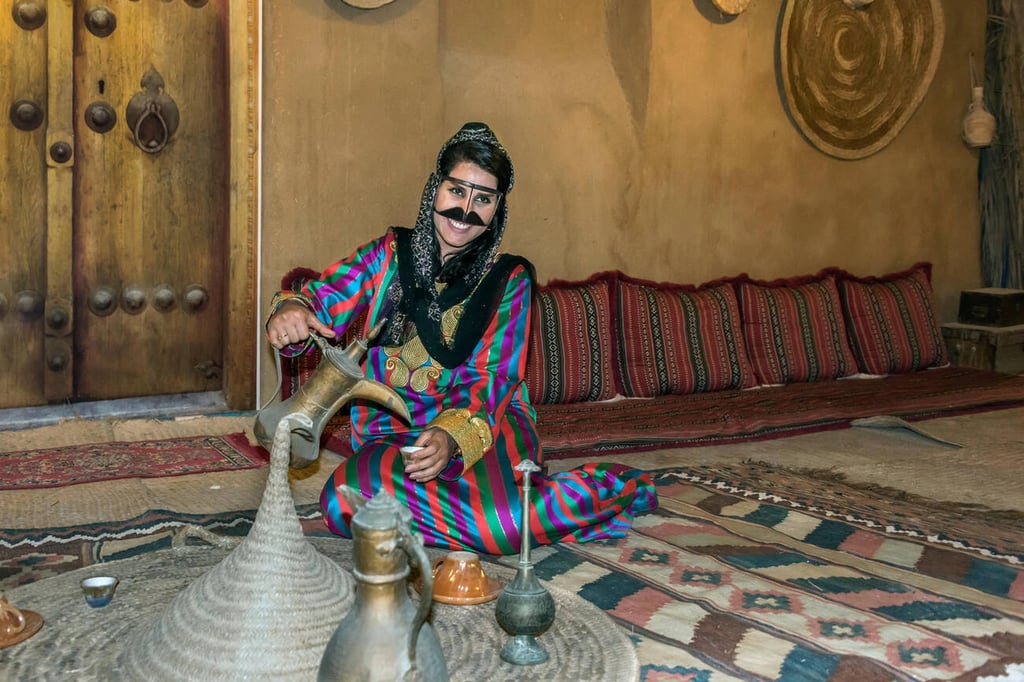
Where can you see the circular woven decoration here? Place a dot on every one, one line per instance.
(731, 6)
(854, 77)
(367, 4)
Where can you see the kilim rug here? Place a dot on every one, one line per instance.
(68, 465)
(750, 573)
(746, 572)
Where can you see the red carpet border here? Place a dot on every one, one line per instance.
(720, 417)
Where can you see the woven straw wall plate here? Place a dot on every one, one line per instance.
(367, 4)
(731, 6)
(854, 77)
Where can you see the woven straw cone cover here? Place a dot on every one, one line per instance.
(854, 77)
(266, 612)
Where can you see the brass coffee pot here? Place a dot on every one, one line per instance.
(385, 637)
(336, 380)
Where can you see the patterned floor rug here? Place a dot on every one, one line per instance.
(68, 465)
(746, 572)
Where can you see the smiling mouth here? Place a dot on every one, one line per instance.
(460, 226)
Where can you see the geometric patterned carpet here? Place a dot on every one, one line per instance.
(750, 573)
(746, 572)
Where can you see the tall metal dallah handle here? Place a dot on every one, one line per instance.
(412, 543)
(152, 115)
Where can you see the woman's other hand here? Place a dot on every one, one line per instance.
(292, 324)
(424, 465)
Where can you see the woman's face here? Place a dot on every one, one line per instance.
(464, 208)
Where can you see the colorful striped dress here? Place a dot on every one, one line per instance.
(474, 505)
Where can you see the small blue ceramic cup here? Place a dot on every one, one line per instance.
(99, 591)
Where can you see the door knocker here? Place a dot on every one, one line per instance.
(152, 115)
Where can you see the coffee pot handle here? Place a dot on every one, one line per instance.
(413, 546)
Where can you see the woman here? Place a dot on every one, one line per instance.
(454, 346)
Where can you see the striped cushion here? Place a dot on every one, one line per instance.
(794, 330)
(677, 339)
(891, 321)
(570, 357)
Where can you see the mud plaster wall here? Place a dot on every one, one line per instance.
(648, 136)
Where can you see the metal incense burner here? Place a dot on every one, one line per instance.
(525, 609)
(385, 637)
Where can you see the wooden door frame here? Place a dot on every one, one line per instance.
(240, 324)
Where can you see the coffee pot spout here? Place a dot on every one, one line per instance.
(336, 380)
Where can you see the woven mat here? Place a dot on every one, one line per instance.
(583, 643)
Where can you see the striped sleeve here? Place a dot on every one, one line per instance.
(346, 288)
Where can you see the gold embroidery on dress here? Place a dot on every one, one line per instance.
(450, 322)
(411, 365)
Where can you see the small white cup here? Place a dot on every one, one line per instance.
(99, 591)
(408, 451)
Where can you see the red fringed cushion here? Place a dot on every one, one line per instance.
(571, 357)
(794, 330)
(679, 339)
(891, 321)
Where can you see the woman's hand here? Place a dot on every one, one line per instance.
(292, 323)
(424, 465)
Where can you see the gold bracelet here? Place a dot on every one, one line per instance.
(472, 435)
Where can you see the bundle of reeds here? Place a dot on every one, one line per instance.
(1001, 165)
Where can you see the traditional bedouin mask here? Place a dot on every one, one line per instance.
(472, 191)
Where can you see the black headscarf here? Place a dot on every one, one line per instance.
(413, 295)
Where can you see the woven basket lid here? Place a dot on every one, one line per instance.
(266, 612)
(853, 77)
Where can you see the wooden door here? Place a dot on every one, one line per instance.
(22, 204)
(114, 209)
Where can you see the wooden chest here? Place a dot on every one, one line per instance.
(995, 348)
(991, 307)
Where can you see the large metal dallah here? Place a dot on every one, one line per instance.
(385, 636)
(337, 379)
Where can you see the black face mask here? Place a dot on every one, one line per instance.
(456, 213)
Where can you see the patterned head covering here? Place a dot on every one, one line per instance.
(424, 239)
(415, 286)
